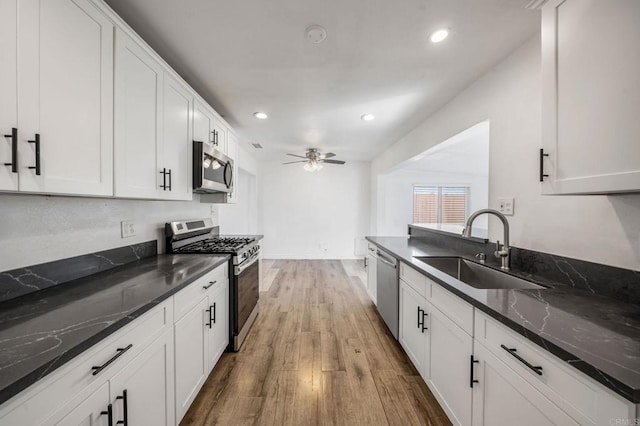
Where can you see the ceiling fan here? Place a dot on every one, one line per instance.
(314, 159)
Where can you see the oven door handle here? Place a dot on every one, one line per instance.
(244, 265)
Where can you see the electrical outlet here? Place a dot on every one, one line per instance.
(506, 206)
(127, 228)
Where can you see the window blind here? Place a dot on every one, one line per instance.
(440, 204)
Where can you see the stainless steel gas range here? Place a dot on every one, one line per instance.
(200, 236)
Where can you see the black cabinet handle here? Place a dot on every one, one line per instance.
(14, 150)
(208, 286)
(214, 312)
(210, 323)
(169, 172)
(512, 351)
(125, 416)
(424, 324)
(471, 379)
(109, 414)
(37, 166)
(120, 351)
(419, 316)
(163, 172)
(542, 174)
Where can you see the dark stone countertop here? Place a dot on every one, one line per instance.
(597, 335)
(42, 331)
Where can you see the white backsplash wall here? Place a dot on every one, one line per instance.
(317, 215)
(36, 228)
(602, 229)
(242, 217)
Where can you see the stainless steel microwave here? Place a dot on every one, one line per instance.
(212, 170)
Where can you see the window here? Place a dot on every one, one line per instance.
(440, 204)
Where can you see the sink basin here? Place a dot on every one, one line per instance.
(478, 276)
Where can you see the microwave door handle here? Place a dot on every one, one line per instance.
(228, 167)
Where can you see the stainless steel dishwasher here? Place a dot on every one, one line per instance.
(387, 291)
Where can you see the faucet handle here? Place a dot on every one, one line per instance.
(482, 256)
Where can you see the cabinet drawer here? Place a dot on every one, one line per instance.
(75, 380)
(581, 397)
(458, 311)
(188, 297)
(415, 279)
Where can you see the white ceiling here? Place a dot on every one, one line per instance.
(244, 56)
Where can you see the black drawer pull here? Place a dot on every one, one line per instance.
(512, 351)
(420, 317)
(36, 141)
(120, 351)
(207, 287)
(14, 150)
(542, 174)
(125, 415)
(109, 414)
(471, 375)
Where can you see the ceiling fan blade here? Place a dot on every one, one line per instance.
(299, 156)
(328, 155)
(332, 161)
(291, 162)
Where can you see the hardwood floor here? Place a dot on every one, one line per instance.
(319, 353)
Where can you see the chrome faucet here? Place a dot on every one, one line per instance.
(501, 252)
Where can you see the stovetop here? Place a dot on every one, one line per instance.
(216, 245)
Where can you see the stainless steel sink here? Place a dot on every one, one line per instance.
(478, 276)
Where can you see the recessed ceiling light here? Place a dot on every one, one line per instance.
(260, 115)
(439, 35)
(367, 117)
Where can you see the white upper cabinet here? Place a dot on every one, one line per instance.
(65, 97)
(138, 121)
(176, 152)
(202, 123)
(590, 69)
(219, 135)
(8, 97)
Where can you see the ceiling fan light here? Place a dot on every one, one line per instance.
(308, 166)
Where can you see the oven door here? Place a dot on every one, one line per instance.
(212, 170)
(247, 294)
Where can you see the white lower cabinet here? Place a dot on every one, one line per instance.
(142, 392)
(467, 360)
(201, 335)
(93, 411)
(448, 365)
(503, 398)
(411, 330)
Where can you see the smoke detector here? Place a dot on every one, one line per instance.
(316, 34)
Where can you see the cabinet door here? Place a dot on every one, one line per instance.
(590, 96)
(502, 397)
(93, 411)
(219, 135)
(202, 123)
(218, 331)
(138, 104)
(142, 393)
(176, 141)
(412, 333)
(372, 278)
(66, 97)
(191, 356)
(449, 369)
(8, 91)
(232, 152)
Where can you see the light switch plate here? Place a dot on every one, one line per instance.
(505, 206)
(127, 228)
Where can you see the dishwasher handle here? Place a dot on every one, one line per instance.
(384, 260)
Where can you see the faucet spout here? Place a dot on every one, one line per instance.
(503, 252)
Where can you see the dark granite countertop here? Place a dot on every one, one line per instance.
(41, 331)
(597, 335)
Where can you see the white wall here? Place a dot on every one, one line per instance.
(36, 228)
(316, 215)
(603, 229)
(242, 217)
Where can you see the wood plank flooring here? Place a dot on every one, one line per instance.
(318, 354)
